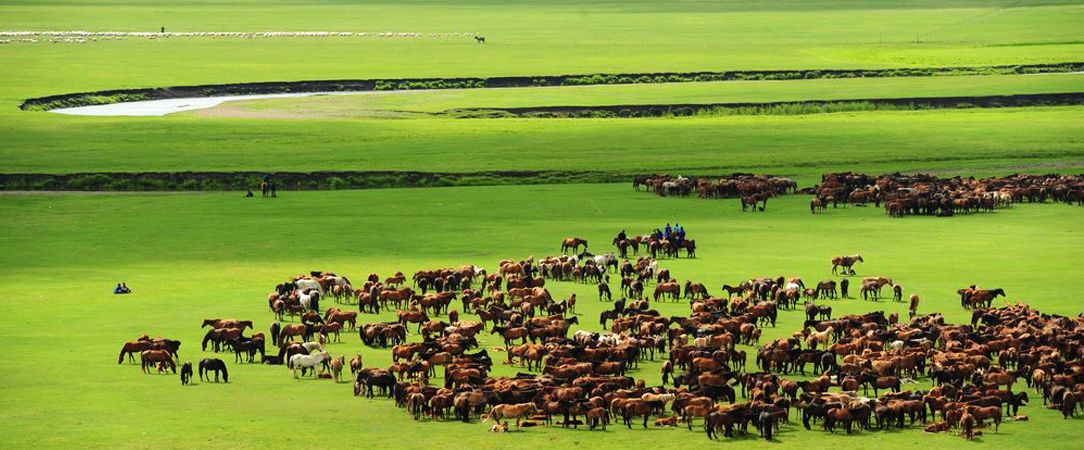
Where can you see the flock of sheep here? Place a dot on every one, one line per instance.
(78, 37)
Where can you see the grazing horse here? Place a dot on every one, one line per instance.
(131, 348)
(300, 361)
(517, 411)
(151, 358)
(574, 244)
(604, 291)
(846, 262)
(671, 287)
(186, 373)
(206, 365)
(480, 39)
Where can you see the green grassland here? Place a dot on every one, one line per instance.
(527, 38)
(191, 257)
(433, 101)
(1004, 141)
(195, 256)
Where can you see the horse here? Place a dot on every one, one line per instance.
(671, 288)
(131, 348)
(604, 291)
(337, 367)
(846, 262)
(186, 373)
(574, 244)
(300, 361)
(480, 39)
(151, 358)
(291, 330)
(355, 364)
(206, 365)
(506, 411)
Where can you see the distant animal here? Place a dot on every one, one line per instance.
(846, 262)
(573, 243)
(301, 362)
(186, 373)
(206, 365)
(480, 39)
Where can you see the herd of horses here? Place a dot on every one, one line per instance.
(924, 194)
(753, 190)
(583, 378)
(901, 194)
(573, 377)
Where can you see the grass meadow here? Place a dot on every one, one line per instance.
(191, 256)
(195, 256)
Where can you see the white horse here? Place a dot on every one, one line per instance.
(307, 298)
(300, 361)
(309, 283)
(604, 261)
(338, 281)
(313, 347)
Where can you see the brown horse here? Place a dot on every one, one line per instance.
(132, 347)
(511, 334)
(412, 316)
(671, 288)
(151, 358)
(574, 244)
(337, 368)
(846, 262)
(517, 411)
(291, 330)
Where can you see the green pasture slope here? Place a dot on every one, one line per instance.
(195, 256)
(527, 38)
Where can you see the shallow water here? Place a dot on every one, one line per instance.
(172, 105)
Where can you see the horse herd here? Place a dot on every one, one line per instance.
(585, 376)
(924, 194)
(578, 377)
(753, 190)
(917, 194)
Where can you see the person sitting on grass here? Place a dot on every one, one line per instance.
(122, 288)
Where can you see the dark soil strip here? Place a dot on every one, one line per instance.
(126, 95)
(240, 181)
(776, 108)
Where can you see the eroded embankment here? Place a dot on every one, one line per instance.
(775, 108)
(387, 84)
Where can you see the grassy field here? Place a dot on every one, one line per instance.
(526, 38)
(194, 256)
(190, 257)
(380, 104)
(945, 140)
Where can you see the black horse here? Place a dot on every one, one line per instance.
(765, 422)
(243, 345)
(206, 365)
(480, 39)
(186, 373)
